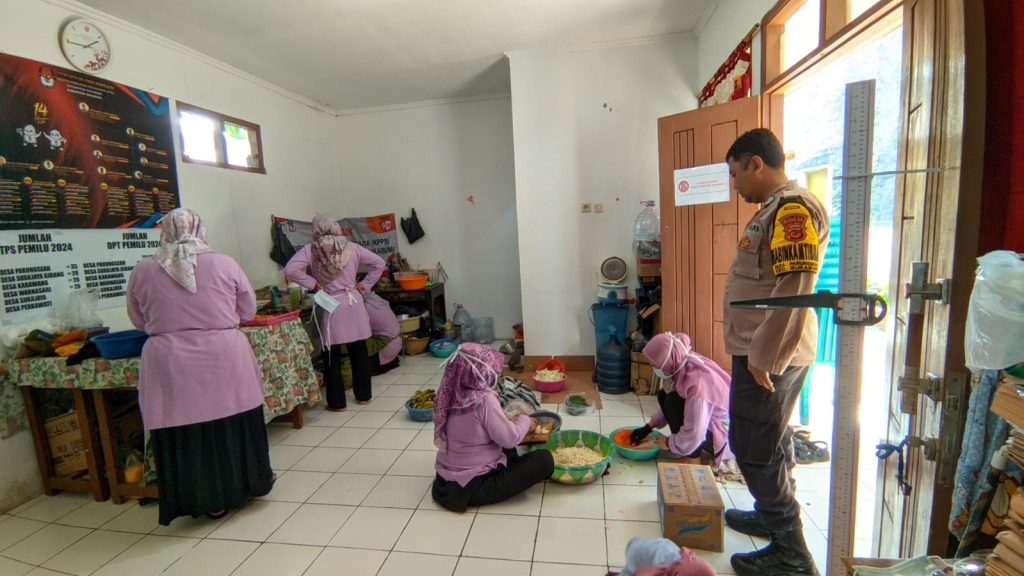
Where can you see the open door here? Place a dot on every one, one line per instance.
(937, 219)
(699, 242)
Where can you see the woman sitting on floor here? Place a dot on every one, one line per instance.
(477, 463)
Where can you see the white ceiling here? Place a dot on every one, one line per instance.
(349, 54)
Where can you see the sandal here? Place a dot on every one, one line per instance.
(809, 451)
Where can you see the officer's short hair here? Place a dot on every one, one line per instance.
(758, 142)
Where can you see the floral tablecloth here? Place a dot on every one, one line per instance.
(282, 351)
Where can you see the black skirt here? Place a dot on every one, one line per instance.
(212, 466)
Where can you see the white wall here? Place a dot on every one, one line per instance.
(432, 158)
(585, 125)
(298, 144)
(729, 23)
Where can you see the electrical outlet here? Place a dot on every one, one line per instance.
(586, 208)
(598, 207)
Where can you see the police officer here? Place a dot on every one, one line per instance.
(779, 254)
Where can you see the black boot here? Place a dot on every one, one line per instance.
(747, 522)
(787, 555)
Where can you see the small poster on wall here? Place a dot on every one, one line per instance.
(77, 151)
(702, 185)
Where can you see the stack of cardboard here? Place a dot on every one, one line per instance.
(1008, 557)
(1009, 400)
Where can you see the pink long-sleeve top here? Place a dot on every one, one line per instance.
(383, 322)
(349, 322)
(698, 416)
(197, 366)
(476, 440)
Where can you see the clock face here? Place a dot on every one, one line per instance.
(85, 46)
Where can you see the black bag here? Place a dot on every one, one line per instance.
(282, 249)
(411, 227)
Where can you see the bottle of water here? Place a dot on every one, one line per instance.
(463, 324)
(613, 366)
(647, 235)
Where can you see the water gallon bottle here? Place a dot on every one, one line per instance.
(647, 235)
(613, 366)
(462, 321)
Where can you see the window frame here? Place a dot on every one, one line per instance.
(220, 142)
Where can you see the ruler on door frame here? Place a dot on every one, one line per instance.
(853, 311)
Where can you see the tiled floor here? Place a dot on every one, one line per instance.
(353, 498)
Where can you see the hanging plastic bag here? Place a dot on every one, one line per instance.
(411, 227)
(81, 310)
(995, 319)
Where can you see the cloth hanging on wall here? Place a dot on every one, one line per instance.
(734, 78)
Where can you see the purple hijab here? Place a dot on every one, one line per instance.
(469, 375)
(182, 237)
(330, 249)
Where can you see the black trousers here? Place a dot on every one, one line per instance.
(360, 360)
(499, 485)
(672, 406)
(760, 438)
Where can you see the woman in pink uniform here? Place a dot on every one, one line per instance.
(200, 388)
(698, 405)
(384, 323)
(330, 263)
(477, 462)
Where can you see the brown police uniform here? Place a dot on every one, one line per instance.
(779, 254)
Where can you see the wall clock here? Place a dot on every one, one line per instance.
(84, 45)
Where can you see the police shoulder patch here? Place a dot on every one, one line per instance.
(794, 244)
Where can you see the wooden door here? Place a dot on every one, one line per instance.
(699, 242)
(937, 214)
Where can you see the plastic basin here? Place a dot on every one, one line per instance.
(419, 414)
(577, 475)
(412, 281)
(444, 348)
(633, 453)
(124, 344)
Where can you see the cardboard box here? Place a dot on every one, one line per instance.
(66, 444)
(649, 269)
(642, 376)
(690, 506)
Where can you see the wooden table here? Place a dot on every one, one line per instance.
(430, 298)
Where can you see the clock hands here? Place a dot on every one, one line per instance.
(90, 45)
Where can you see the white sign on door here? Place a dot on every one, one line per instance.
(702, 185)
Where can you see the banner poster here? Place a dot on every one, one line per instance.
(40, 268)
(378, 234)
(78, 151)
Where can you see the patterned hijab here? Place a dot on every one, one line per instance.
(331, 251)
(693, 374)
(182, 238)
(469, 375)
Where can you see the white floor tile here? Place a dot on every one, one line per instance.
(278, 432)
(278, 560)
(817, 543)
(403, 564)
(348, 438)
(414, 463)
(413, 379)
(398, 492)
(620, 533)
(334, 561)
(573, 501)
(345, 489)
(19, 509)
(45, 544)
(283, 457)
(402, 421)
(92, 552)
(308, 436)
(14, 529)
(740, 498)
(503, 537)
(137, 519)
(626, 472)
(149, 556)
(611, 423)
(477, 566)
(814, 508)
(629, 408)
(324, 459)
(212, 558)
(435, 533)
(255, 521)
(370, 461)
(44, 572)
(188, 527)
(631, 503)
(368, 419)
(296, 486)
(390, 439)
(10, 567)
(592, 423)
(53, 507)
(424, 440)
(570, 541)
(525, 504)
(372, 528)
(546, 569)
(312, 525)
(333, 419)
(385, 404)
(403, 391)
(92, 515)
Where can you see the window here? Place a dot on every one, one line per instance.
(218, 140)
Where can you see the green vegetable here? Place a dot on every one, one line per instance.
(577, 401)
(424, 399)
